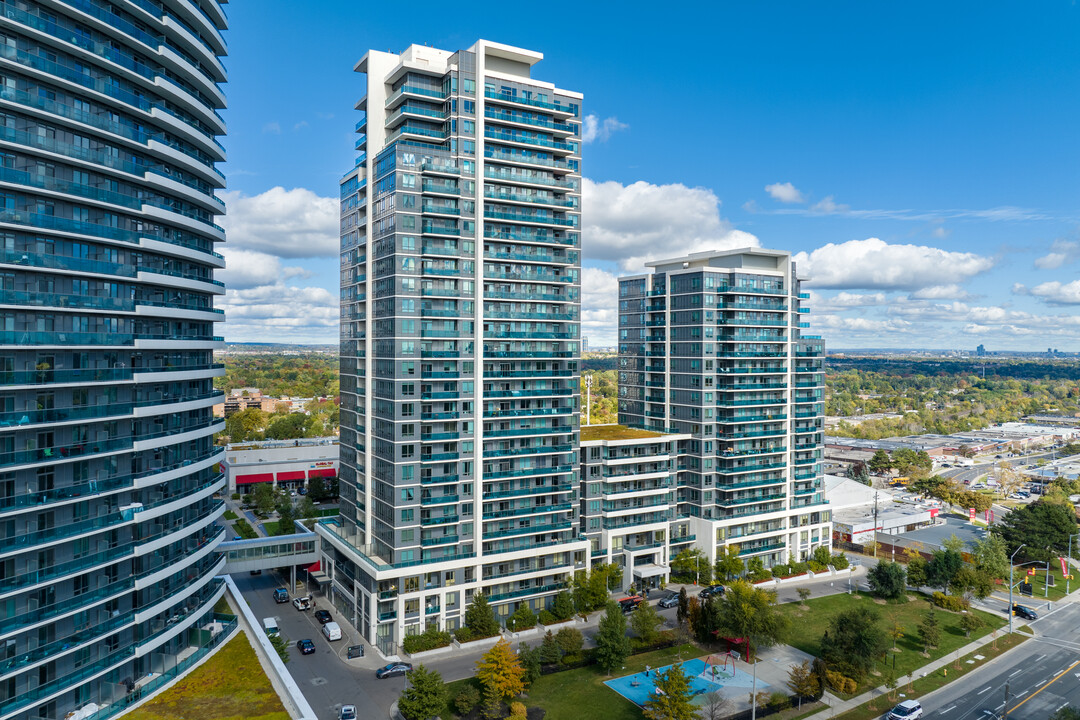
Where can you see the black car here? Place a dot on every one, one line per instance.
(669, 601)
(306, 647)
(716, 589)
(393, 669)
(1025, 612)
(323, 616)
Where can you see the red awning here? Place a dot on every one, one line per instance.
(322, 472)
(314, 567)
(254, 478)
(291, 475)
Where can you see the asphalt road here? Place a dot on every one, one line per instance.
(1040, 676)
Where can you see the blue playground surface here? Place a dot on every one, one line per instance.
(638, 688)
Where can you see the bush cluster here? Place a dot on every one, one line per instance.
(840, 682)
(956, 603)
(428, 640)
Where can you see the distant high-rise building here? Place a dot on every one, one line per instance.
(980, 351)
(460, 355)
(584, 343)
(107, 463)
(711, 346)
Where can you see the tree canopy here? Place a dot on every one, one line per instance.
(1037, 526)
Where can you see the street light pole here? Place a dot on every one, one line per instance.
(753, 703)
(1068, 575)
(1011, 587)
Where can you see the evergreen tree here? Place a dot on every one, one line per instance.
(674, 699)
(530, 662)
(646, 623)
(480, 618)
(683, 611)
(612, 645)
(930, 630)
(425, 696)
(563, 606)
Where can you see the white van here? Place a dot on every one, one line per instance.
(270, 625)
(332, 631)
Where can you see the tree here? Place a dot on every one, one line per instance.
(969, 621)
(822, 555)
(1066, 713)
(531, 662)
(802, 682)
(674, 697)
(550, 652)
(245, 425)
(683, 611)
(955, 544)
(646, 622)
(522, 619)
(965, 451)
(286, 426)
(317, 489)
(969, 579)
(563, 606)
(307, 508)
(916, 568)
(281, 647)
(942, 568)
(729, 564)
(424, 696)
(745, 611)
(500, 674)
(1008, 479)
(286, 518)
(263, 496)
(1038, 526)
(691, 566)
(896, 631)
(715, 707)
(880, 463)
(929, 630)
(570, 641)
(480, 618)
(887, 579)
(854, 641)
(859, 473)
(612, 645)
(804, 595)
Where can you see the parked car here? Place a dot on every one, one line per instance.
(1025, 612)
(710, 591)
(907, 710)
(237, 537)
(303, 491)
(332, 631)
(281, 595)
(669, 601)
(323, 616)
(270, 626)
(355, 651)
(302, 603)
(306, 646)
(347, 712)
(393, 669)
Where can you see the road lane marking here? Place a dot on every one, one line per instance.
(1056, 678)
(948, 709)
(1039, 658)
(1017, 672)
(1040, 683)
(1020, 695)
(987, 689)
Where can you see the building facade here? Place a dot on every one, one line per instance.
(628, 501)
(710, 345)
(287, 464)
(107, 464)
(460, 311)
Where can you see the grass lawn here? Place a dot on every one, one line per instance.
(222, 606)
(566, 694)
(614, 432)
(809, 623)
(873, 709)
(1038, 583)
(229, 686)
(230, 515)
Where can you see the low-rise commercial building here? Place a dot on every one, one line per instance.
(284, 463)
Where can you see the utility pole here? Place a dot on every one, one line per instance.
(875, 523)
(1068, 575)
(1005, 712)
(1011, 613)
(588, 399)
(753, 693)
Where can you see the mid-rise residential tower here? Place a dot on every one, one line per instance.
(460, 303)
(711, 345)
(107, 465)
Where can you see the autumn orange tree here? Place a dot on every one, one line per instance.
(501, 675)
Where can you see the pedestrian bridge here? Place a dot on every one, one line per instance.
(271, 552)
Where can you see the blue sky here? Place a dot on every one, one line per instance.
(921, 159)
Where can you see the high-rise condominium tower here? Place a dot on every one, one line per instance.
(107, 536)
(710, 345)
(460, 302)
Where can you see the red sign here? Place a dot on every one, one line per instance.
(987, 515)
(1063, 570)
(971, 514)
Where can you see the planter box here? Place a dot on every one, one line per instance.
(431, 653)
(535, 630)
(483, 643)
(556, 626)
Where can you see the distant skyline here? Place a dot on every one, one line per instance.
(921, 161)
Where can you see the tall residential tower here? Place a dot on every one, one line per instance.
(107, 465)
(711, 345)
(460, 309)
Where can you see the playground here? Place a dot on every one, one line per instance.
(715, 673)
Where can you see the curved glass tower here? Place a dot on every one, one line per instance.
(108, 119)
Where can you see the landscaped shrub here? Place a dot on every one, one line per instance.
(760, 575)
(840, 561)
(428, 640)
(244, 529)
(546, 618)
(522, 619)
(781, 570)
(955, 603)
(799, 568)
(840, 682)
(815, 566)
(466, 700)
(235, 496)
(517, 711)
(463, 635)
(779, 701)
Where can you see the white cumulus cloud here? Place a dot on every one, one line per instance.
(599, 306)
(1062, 252)
(630, 224)
(593, 128)
(952, 291)
(877, 265)
(293, 223)
(281, 313)
(785, 193)
(1055, 293)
